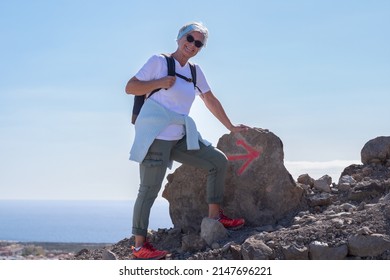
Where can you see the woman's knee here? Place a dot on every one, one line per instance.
(221, 160)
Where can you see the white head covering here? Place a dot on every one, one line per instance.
(194, 26)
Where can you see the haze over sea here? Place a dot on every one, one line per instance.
(73, 221)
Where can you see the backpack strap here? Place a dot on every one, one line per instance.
(171, 64)
(193, 74)
(171, 70)
(138, 102)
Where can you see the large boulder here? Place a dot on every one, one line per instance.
(258, 186)
(376, 150)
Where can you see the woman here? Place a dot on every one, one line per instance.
(165, 132)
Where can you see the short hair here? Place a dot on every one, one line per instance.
(194, 26)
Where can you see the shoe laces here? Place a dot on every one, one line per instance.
(222, 216)
(146, 245)
(149, 246)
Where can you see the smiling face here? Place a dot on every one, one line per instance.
(188, 49)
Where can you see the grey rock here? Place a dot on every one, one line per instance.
(322, 251)
(376, 150)
(108, 255)
(320, 199)
(368, 245)
(323, 184)
(192, 243)
(293, 252)
(212, 231)
(255, 249)
(305, 179)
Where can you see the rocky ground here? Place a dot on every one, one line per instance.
(349, 219)
(10, 250)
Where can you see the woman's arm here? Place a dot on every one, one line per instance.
(215, 107)
(137, 87)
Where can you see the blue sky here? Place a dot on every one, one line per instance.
(315, 73)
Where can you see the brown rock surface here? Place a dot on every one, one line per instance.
(258, 186)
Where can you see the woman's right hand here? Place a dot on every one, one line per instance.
(167, 82)
(137, 87)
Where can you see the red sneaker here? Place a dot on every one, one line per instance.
(230, 223)
(148, 252)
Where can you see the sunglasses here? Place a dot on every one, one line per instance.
(197, 43)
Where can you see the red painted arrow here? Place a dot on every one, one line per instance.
(249, 157)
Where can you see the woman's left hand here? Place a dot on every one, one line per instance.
(239, 128)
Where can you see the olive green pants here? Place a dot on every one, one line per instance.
(153, 169)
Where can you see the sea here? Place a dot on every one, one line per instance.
(74, 221)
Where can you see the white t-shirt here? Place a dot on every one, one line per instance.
(179, 97)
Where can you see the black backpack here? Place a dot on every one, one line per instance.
(140, 99)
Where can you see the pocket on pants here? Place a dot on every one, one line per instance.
(153, 160)
(152, 163)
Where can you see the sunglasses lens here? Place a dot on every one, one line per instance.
(190, 39)
(197, 43)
